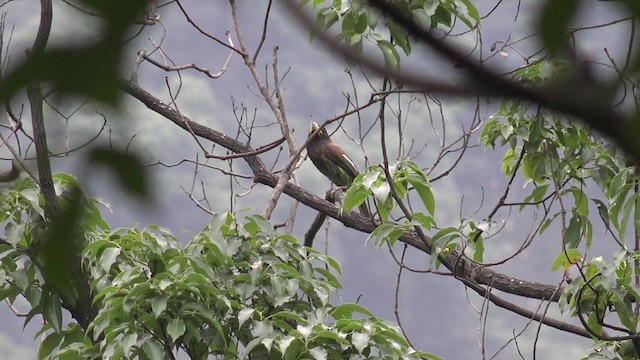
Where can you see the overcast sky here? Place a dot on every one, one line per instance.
(437, 313)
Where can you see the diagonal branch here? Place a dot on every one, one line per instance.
(471, 272)
(472, 275)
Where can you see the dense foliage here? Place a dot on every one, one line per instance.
(238, 289)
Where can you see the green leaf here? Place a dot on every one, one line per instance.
(399, 36)
(381, 192)
(355, 196)
(330, 277)
(574, 231)
(566, 258)
(619, 185)
(345, 311)
(127, 167)
(594, 323)
(426, 355)
(625, 313)
(73, 70)
(391, 56)
(348, 22)
(535, 166)
(14, 233)
(548, 222)
(448, 246)
(362, 22)
(424, 190)
(328, 334)
(108, 257)
(318, 353)
(256, 223)
(48, 345)
(153, 349)
(627, 350)
(441, 16)
(262, 328)
(462, 15)
(334, 264)
(52, 311)
(478, 254)
(627, 210)
(360, 341)
(555, 19)
(472, 10)
(330, 19)
(384, 233)
(536, 195)
(290, 316)
(127, 342)
(581, 201)
(423, 17)
(244, 315)
(158, 305)
(294, 350)
(33, 197)
(444, 234)
(176, 328)
(426, 221)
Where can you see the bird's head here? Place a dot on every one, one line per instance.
(319, 133)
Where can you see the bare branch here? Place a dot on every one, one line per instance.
(464, 272)
(186, 15)
(143, 54)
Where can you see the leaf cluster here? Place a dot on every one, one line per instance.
(237, 289)
(573, 172)
(361, 22)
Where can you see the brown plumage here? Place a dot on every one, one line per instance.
(331, 160)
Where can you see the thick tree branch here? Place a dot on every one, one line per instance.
(478, 278)
(470, 272)
(80, 306)
(34, 94)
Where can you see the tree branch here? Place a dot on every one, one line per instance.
(467, 271)
(34, 94)
(578, 97)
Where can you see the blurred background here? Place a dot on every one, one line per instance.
(436, 312)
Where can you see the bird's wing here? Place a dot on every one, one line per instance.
(340, 158)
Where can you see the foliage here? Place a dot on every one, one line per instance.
(360, 22)
(238, 289)
(569, 170)
(567, 161)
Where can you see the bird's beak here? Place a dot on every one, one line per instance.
(314, 128)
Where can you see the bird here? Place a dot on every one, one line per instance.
(331, 160)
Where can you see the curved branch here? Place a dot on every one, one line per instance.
(469, 272)
(259, 150)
